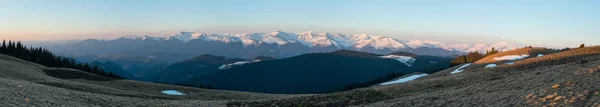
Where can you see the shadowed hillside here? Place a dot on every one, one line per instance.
(28, 84)
(315, 73)
(44, 57)
(568, 78)
(200, 65)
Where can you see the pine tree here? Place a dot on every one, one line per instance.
(3, 47)
(582, 46)
(4, 43)
(491, 52)
(95, 69)
(86, 67)
(472, 57)
(11, 48)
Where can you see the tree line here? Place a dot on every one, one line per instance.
(475, 56)
(472, 57)
(44, 57)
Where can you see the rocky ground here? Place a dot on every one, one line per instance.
(27, 84)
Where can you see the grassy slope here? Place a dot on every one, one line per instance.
(575, 75)
(570, 78)
(573, 72)
(532, 52)
(27, 84)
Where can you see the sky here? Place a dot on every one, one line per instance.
(553, 23)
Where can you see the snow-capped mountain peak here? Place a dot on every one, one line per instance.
(278, 37)
(182, 36)
(481, 47)
(312, 39)
(146, 37)
(341, 40)
(414, 43)
(502, 46)
(197, 35)
(131, 37)
(380, 42)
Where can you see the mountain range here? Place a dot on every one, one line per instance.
(271, 75)
(186, 45)
(523, 77)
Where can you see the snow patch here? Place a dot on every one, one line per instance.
(172, 92)
(146, 37)
(406, 79)
(511, 57)
(227, 66)
(409, 61)
(460, 69)
(540, 55)
(272, 40)
(510, 63)
(490, 66)
(414, 43)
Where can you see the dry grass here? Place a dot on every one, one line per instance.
(532, 52)
(27, 84)
(513, 85)
(554, 78)
(342, 99)
(442, 73)
(579, 56)
(569, 78)
(567, 95)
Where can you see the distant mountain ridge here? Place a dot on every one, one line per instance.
(186, 45)
(308, 39)
(324, 39)
(481, 47)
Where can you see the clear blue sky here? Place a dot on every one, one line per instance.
(537, 22)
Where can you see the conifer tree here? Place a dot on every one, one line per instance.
(472, 57)
(44, 57)
(3, 47)
(4, 43)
